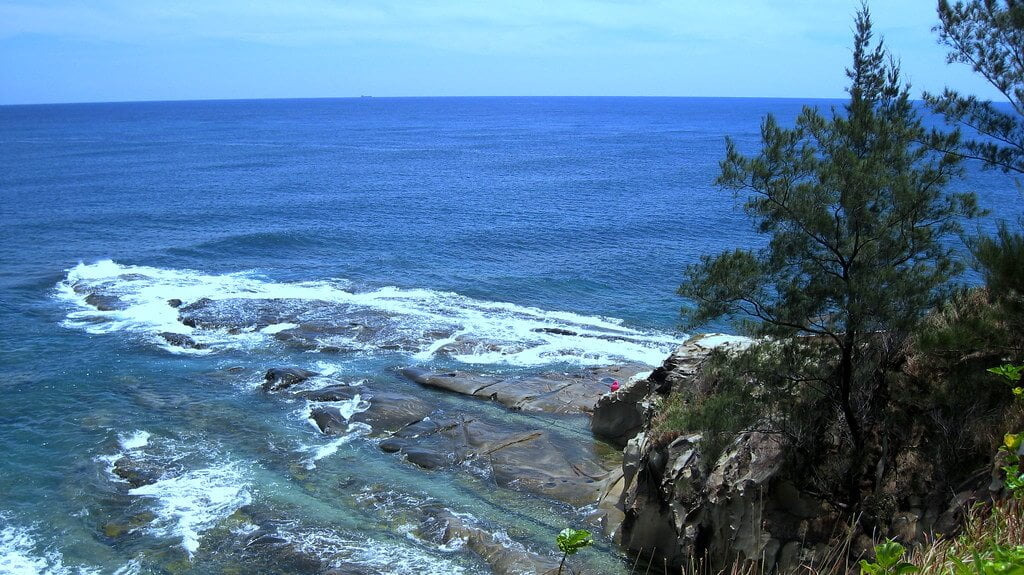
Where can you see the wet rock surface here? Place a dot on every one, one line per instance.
(137, 472)
(278, 378)
(520, 454)
(103, 302)
(311, 325)
(559, 393)
(384, 411)
(503, 556)
(181, 340)
(525, 459)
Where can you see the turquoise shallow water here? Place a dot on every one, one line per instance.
(480, 220)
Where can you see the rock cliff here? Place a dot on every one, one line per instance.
(749, 505)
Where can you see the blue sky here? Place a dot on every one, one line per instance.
(117, 50)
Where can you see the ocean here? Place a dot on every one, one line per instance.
(504, 236)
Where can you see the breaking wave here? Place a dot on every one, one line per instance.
(189, 312)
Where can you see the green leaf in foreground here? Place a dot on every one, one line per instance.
(570, 541)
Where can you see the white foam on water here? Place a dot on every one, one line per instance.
(136, 440)
(108, 462)
(346, 408)
(478, 332)
(130, 443)
(21, 554)
(133, 567)
(353, 431)
(278, 328)
(192, 503)
(388, 557)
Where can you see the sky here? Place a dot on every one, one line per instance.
(127, 50)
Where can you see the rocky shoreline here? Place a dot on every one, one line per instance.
(659, 499)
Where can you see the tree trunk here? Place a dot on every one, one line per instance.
(846, 395)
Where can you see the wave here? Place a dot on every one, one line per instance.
(188, 483)
(188, 312)
(387, 557)
(188, 505)
(22, 554)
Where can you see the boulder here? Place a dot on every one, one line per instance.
(181, 340)
(279, 378)
(386, 412)
(104, 302)
(458, 382)
(137, 472)
(620, 415)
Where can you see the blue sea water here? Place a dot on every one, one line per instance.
(481, 219)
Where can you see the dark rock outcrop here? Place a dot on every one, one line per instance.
(620, 415)
(384, 412)
(279, 378)
(750, 506)
(181, 340)
(105, 302)
(137, 472)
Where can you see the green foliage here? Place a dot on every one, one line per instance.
(1010, 372)
(855, 211)
(723, 403)
(965, 324)
(571, 541)
(997, 560)
(1001, 261)
(987, 35)
(888, 560)
(1014, 466)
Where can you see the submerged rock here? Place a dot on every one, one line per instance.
(235, 313)
(137, 472)
(503, 556)
(312, 325)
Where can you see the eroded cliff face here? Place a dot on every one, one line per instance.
(749, 505)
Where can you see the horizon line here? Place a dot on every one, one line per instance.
(373, 97)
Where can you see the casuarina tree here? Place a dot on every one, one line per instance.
(987, 35)
(857, 217)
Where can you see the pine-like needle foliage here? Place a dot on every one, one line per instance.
(855, 208)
